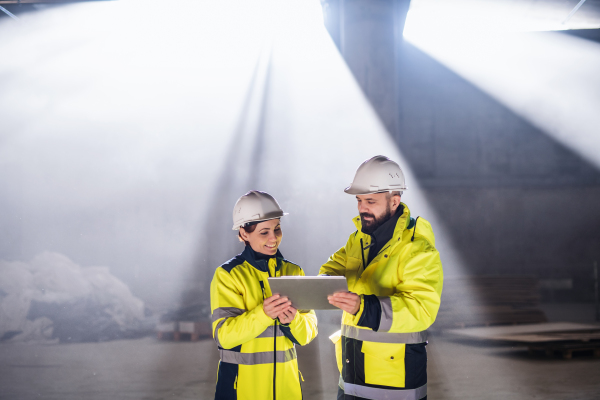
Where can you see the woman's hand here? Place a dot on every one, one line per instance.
(275, 305)
(347, 301)
(287, 316)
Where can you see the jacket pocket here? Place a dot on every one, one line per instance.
(384, 363)
(336, 338)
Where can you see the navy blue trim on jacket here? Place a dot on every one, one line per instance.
(288, 333)
(261, 261)
(371, 315)
(226, 381)
(231, 264)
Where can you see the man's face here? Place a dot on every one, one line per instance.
(375, 209)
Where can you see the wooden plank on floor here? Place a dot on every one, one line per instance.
(551, 337)
(502, 332)
(566, 349)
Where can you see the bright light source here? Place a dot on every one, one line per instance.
(437, 18)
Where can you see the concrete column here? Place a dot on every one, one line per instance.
(368, 34)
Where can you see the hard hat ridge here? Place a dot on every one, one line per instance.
(377, 174)
(255, 206)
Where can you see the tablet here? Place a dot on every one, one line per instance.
(309, 292)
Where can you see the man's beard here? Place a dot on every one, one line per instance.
(371, 226)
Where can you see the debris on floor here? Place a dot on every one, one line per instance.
(184, 330)
(565, 338)
(190, 321)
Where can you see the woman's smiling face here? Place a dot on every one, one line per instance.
(265, 238)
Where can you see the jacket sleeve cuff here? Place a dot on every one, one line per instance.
(296, 321)
(371, 312)
(261, 316)
(360, 311)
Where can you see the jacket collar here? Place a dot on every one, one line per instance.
(386, 231)
(261, 263)
(403, 222)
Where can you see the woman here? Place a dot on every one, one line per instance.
(255, 330)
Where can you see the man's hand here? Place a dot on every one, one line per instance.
(275, 305)
(287, 316)
(347, 301)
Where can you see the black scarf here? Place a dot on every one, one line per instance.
(383, 234)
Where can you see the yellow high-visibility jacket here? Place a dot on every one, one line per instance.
(258, 357)
(406, 276)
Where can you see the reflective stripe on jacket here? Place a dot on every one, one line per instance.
(249, 341)
(406, 276)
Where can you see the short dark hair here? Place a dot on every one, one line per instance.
(398, 193)
(249, 228)
(394, 193)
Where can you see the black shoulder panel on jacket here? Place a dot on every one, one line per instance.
(291, 262)
(231, 264)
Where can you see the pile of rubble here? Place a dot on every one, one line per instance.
(52, 298)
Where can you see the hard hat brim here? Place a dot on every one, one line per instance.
(362, 191)
(237, 228)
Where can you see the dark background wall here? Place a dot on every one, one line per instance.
(514, 200)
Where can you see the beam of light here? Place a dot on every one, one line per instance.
(548, 78)
(434, 18)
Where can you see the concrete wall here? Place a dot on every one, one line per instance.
(514, 200)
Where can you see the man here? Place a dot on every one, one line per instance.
(394, 276)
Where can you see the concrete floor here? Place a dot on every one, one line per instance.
(151, 370)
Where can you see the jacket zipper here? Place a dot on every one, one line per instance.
(362, 253)
(274, 360)
(274, 348)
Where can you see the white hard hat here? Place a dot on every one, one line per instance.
(377, 174)
(255, 206)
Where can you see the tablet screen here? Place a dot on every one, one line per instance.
(309, 292)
